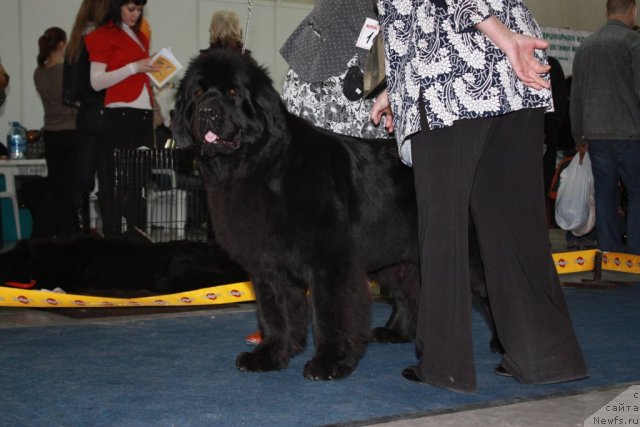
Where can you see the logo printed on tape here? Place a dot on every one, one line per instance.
(51, 301)
(211, 296)
(236, 293)
(22, 299)
(80, 303)
(186, 300)
(580, 260)
(562, 263)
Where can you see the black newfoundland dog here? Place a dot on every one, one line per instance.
(127, 266)
(308, 213)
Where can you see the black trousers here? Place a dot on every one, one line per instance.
(55, 214)
(89, 123)
(124, 129)
(491, 169)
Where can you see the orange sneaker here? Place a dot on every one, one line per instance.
(253, 338)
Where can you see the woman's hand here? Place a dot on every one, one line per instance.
(581, 149)
(382, 107)
(519, 50)
(144, 66)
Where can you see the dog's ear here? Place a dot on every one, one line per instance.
(268, 103)
(182, 115)
(272, 110)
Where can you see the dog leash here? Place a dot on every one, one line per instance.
(246, 27)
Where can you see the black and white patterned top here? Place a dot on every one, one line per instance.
(433, 49)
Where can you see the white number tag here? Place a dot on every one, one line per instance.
(369, 31)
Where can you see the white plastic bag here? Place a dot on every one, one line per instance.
(575, 207)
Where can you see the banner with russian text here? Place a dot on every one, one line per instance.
(563, 43)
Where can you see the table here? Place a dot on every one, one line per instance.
(10, 168)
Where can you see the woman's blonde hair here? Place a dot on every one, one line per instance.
(225, 30)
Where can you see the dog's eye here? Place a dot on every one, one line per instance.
(232, 92)
(197, 92)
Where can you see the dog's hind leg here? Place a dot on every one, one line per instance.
(282, 316)
(341, 321)
(402, 281)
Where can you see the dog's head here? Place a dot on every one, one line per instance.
(226, 102)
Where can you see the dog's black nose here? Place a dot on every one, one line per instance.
(209, 113)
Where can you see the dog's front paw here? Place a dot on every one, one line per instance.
(259, 361)
(386, 335)
(325, 369)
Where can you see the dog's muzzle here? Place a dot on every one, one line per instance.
(206, 128)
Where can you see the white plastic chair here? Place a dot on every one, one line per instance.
(10, 193)
(167, 206)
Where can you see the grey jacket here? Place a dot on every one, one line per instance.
(605, 92)
(324, 42)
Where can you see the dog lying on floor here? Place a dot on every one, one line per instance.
(303, 210)
(129, 266)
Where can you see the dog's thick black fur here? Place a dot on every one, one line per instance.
(119, 267)
(301, 209)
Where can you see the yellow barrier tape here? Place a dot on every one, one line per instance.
(625, 263)
(565, 262)
(574, 262)
(225, 294)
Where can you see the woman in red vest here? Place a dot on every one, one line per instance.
(119, 55)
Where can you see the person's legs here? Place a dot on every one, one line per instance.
(605, 180)
(119, 133)
(628, 154)
(69, 196)
(444, 163)
(527, 302)
(89, 126)
(136, 208)
(61, 155)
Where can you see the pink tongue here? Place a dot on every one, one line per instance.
(210, 137)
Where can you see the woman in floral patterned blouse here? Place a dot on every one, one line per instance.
(468, 87)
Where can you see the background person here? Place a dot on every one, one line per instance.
(4, 82)
(77, 92)
(605, 114)
(225, 31)
(469, 117)
(119, 55)
(61, 199)
(320, 52)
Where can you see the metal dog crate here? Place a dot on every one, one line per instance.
(161, 192)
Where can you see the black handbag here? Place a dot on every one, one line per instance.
(353, 83)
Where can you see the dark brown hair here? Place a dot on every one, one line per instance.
(617, 7)
(114, 12)
(48, 42)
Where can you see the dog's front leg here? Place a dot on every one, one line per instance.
(341, 322)
(282, 315)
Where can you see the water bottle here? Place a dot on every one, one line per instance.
(16, 141)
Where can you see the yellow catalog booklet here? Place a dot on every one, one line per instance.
(167, 65)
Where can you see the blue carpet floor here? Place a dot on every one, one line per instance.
(181, 372)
